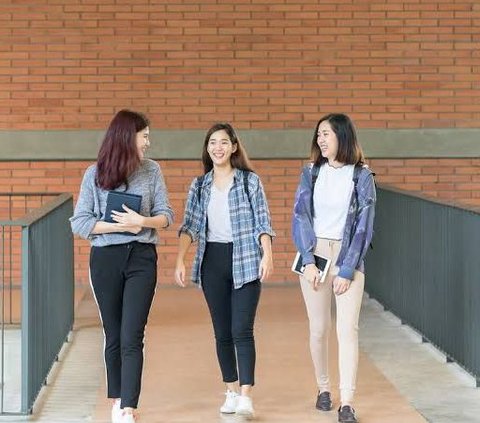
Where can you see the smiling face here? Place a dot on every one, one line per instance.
(220, 148)
(143, 141)
(327, 141)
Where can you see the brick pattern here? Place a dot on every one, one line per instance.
(456, 179)
(268, 64)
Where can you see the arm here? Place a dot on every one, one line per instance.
(85, 222)
(302, 221)
(83, 219)
(364, 218)
(183, 245)
(133, 219)
(161, 214)
(266, 264)
(261, 213)
(263, 231)
(188, 232)
(102, 227)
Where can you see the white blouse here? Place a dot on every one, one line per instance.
(218, 214)
(331, 200)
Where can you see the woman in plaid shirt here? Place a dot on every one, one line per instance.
(227, 215)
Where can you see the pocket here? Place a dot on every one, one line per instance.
(152, 252)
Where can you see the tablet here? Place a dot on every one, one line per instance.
(322, 263)
(115, 200)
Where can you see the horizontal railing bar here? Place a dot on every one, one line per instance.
(37, 214)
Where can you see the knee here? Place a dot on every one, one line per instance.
(242, 333)
(347, 332)
(223, 335)
(319, 331)
(132, 340)
(112, 341)
(224, 339)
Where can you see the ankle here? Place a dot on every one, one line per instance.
(246, 391)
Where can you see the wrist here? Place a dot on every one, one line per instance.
(267, 255)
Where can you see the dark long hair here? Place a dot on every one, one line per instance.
(118, 156)
(239, 158)
(349, 150)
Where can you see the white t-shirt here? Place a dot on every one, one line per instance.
(331, 200)
(218, 213)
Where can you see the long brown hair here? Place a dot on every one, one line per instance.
(239, 158)
(118, 156)
(349, 150)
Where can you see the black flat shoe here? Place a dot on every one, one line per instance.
(346, 414)
(324, 402)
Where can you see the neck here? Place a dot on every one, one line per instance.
(335, 163)
(223, 171)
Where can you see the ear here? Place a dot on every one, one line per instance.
(234, 148)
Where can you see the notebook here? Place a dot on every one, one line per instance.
(115, 200)
(322, 263)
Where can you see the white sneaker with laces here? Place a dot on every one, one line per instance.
(116, 411)
(230, 404)
(245, 407)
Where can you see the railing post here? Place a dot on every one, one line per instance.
(25, 389)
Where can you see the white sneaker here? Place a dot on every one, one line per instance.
(127, 418)
(116, 412)
(230, 404)
(245, 407)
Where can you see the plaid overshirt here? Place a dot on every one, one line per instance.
(249, 220)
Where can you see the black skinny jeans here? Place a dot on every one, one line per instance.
(233, 313)
(123, 281)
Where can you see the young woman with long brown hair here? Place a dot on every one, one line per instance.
(227, 213)
(123, 257)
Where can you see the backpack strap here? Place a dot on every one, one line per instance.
(199, 187)
(245, 187)
(245, 183)
(356, 174)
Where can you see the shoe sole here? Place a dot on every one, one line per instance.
(246, 414)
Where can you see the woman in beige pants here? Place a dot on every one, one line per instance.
(333, 218)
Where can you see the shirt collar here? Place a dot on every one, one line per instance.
(208, 178)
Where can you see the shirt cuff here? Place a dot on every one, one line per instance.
(262, 231)
(346, 272)
(189, 232)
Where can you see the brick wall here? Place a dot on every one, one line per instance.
(446, 178)
(260, 64)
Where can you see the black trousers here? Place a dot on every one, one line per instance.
(123, 280)
(233, 314)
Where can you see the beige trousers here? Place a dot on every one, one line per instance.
(318, 304)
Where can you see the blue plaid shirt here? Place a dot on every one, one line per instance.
(249, 217)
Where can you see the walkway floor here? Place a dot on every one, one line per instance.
(400, 380)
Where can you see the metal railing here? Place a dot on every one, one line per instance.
(37, 292)
(425, 268)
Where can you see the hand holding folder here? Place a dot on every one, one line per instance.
(115, 201)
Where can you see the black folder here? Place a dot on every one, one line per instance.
(115, 200)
